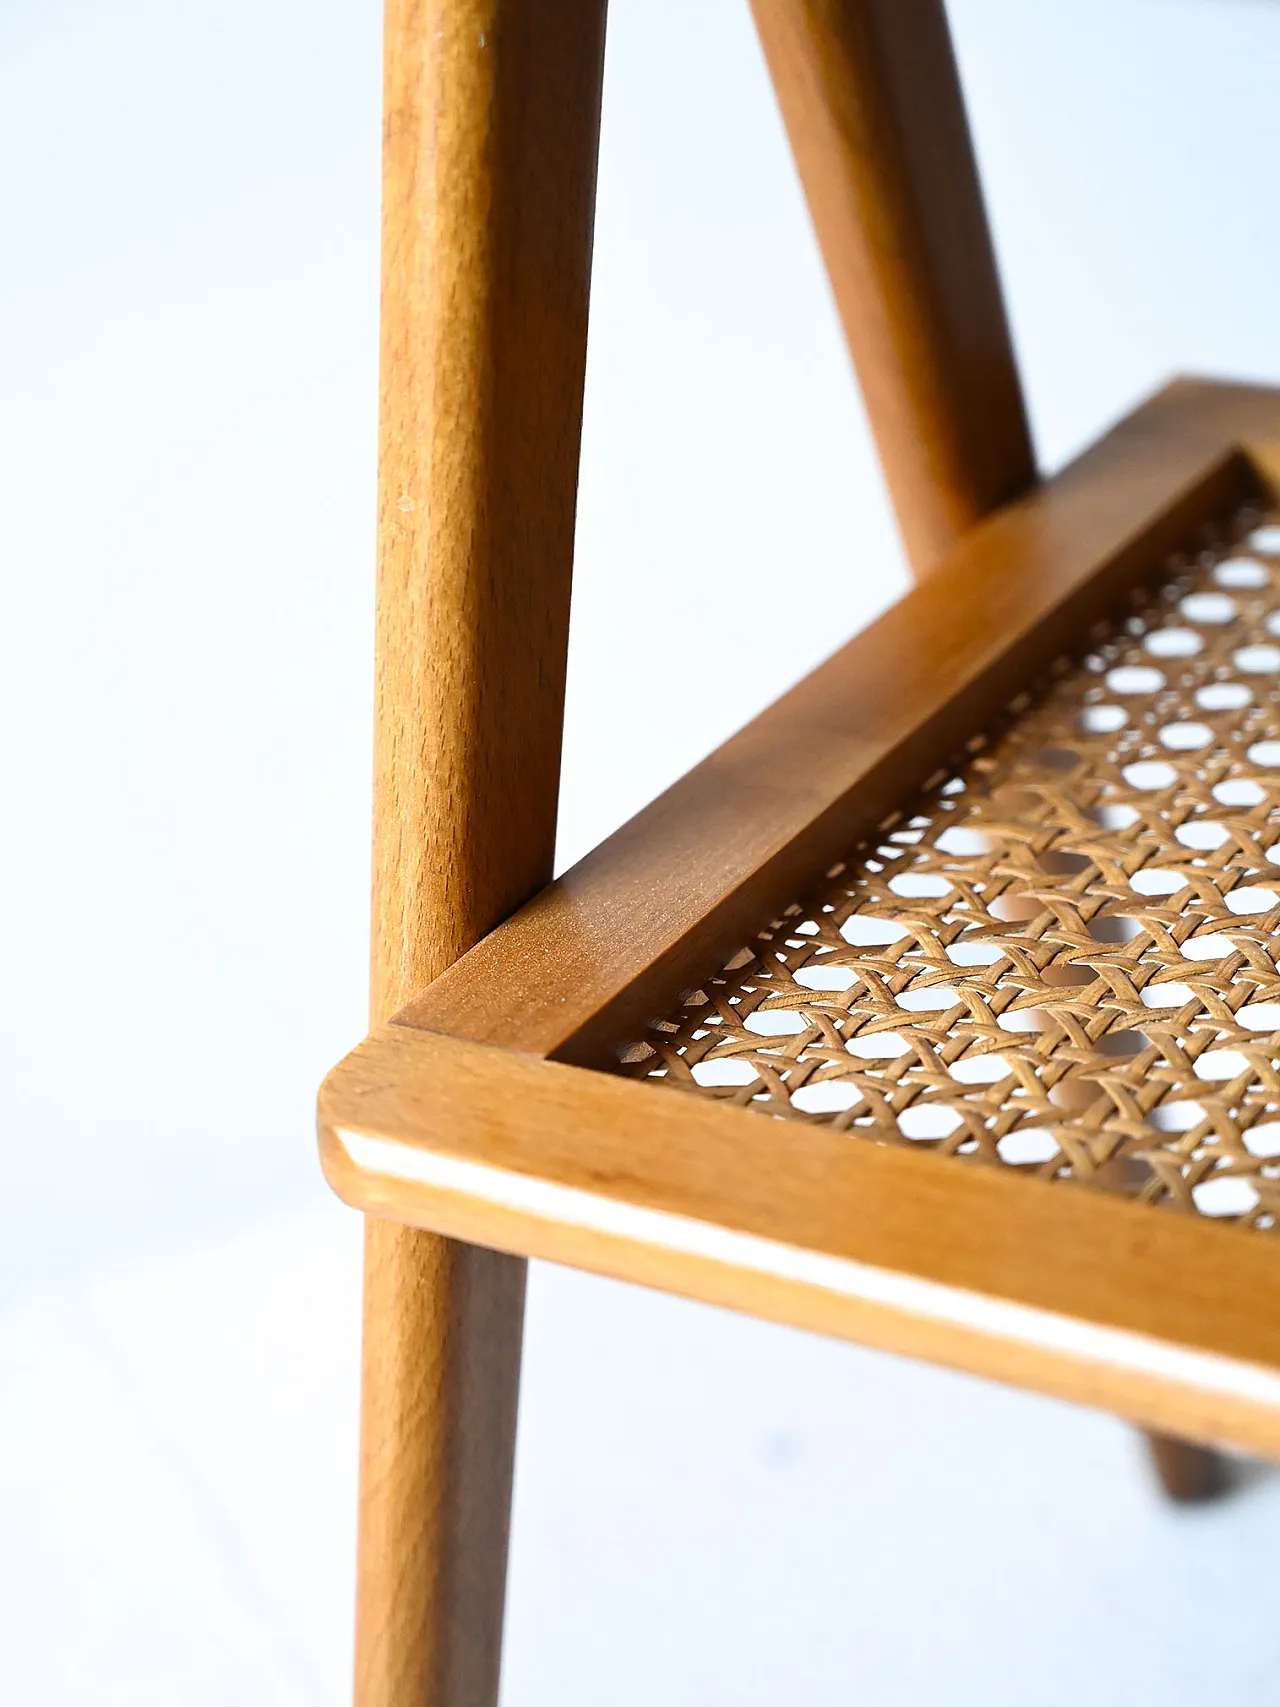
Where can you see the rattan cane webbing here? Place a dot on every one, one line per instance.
(1061, 956)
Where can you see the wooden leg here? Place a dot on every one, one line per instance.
(492, 117)
(442, 1332)
(871, 98)
(1188, 1473)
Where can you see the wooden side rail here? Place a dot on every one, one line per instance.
(678, 889)
(1168, 1319)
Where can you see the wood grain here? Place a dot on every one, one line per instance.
(492, 118)
(871, 99)
(442, 1331)
(1168, 1319)
(491, 128)
(679, 888)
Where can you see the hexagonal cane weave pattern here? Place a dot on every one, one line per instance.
(1061, 957)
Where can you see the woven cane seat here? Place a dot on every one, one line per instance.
(1060, 956)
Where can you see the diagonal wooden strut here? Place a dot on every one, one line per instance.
(871, 98)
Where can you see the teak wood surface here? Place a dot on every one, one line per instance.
(1163, 1318)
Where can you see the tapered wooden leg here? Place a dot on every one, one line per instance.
(492, 117)
(442, 1336)
(1188, 1473)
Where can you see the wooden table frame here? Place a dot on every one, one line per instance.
(478, 1111)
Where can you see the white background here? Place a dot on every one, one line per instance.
(708, 1510)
